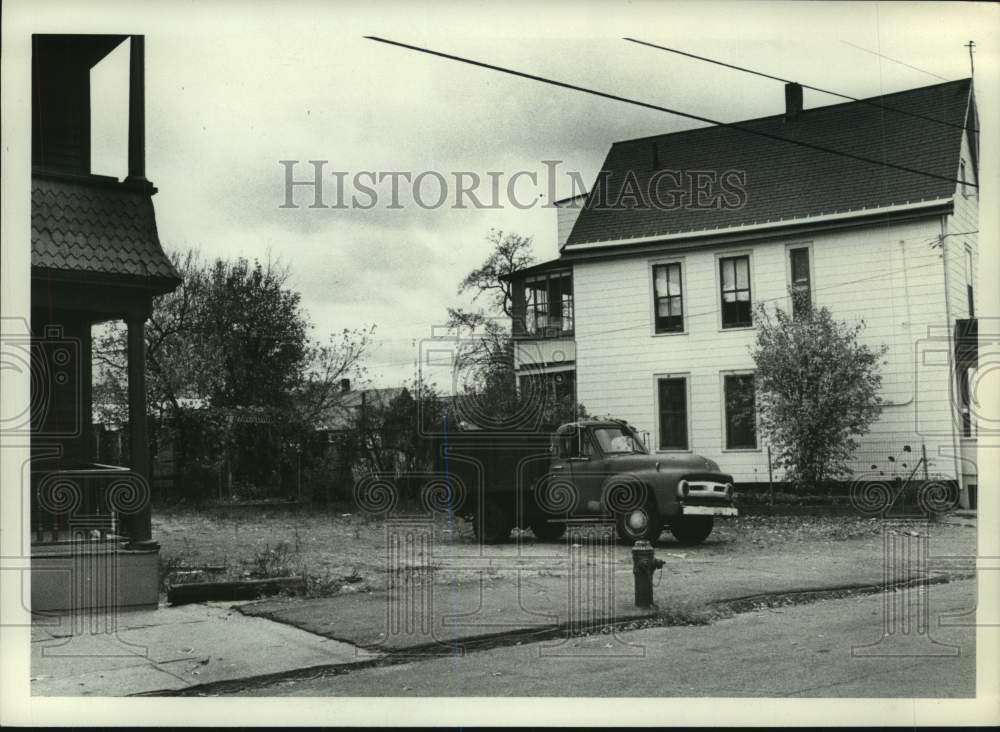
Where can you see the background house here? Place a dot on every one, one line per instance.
(660, 296)
(363, 431)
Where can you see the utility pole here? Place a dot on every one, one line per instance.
(972, 66)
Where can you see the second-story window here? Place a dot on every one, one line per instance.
(548, 305)
(801, 295)
(536, 304)
(667, 291)
(734, 274)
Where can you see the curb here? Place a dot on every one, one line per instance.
(436, 649)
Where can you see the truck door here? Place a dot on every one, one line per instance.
(561, 488)
(589, 471)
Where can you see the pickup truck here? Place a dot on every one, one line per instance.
(586, 471)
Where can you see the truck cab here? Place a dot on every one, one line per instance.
(602, 470)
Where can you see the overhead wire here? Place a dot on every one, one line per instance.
(669, 110)
(755, 72)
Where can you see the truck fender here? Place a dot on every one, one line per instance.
(625, 491)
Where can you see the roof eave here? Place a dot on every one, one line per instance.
(933, 206)
(154, 285)
(547, 266)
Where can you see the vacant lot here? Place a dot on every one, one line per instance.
(340, 550)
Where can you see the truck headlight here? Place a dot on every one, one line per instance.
(683, 489)
(730, 489)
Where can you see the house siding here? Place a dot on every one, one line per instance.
(892, 277)
(541, 352)
(957, 241)
(964, 219)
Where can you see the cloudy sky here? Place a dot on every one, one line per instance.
(232, 91)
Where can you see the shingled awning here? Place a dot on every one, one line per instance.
(100, 228)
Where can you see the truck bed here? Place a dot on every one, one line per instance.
(482, 464)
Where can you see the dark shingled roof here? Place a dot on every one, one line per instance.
(786, 181)
(96, 229)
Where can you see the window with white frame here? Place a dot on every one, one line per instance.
(734, 278)
(741, 413)
(970, 280)
(548, 304)
(673, 412)
(668, 298)
(966, 377)
(801, 280)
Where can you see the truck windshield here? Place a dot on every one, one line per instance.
(618, 440)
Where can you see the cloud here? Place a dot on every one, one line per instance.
(229, 94)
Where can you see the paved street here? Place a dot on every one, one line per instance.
(803, 651)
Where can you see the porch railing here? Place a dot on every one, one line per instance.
(89, 501)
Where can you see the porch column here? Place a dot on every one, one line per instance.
(139, 527)
(137, 109)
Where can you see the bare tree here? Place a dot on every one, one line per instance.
(508, 254)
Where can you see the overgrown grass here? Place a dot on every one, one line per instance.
(282, 559)
(338, 549)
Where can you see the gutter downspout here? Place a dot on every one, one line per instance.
(910, 345)
(955, 447)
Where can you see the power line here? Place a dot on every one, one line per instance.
(668, 110)
(894, 60)
(789, 81)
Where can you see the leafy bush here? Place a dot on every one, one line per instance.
(817, 390)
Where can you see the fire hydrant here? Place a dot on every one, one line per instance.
(644, 563)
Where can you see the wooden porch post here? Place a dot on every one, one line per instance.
(137, 109)
(140, 523)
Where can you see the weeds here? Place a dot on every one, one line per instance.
(691, 614)
(275, 562)
(167, 567)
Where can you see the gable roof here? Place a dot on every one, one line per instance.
(101, 228)
(786, 181)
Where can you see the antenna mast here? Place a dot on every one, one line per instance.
(972, 66)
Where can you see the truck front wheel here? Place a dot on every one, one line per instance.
(691, 529)
(547, 531)
(639, 524)
(492, 523)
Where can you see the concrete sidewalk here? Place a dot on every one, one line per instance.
(168, 649)
(447, 604)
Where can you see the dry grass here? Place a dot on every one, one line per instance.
(341, 550)
(334, 550)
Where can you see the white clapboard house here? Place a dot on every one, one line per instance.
(647, 311)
